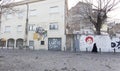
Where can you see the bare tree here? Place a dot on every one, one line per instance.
(78, 20)
(100, 10)
(5, 5)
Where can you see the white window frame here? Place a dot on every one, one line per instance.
(20, 15)
(7, 29)
(33, 12)
(19, 28)
(9, 16)
(54, 9)
(32, 27)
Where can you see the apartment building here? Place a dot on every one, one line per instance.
(39, 23)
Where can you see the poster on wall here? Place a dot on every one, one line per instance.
(86, 42)
(89, 40)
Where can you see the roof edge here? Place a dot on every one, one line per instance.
(21, 3)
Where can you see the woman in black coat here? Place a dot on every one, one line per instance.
(94, 48)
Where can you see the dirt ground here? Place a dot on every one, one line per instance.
(28, 60)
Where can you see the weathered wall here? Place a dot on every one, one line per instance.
(69, 42)
(105, 43)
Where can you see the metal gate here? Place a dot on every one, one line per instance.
(76, 43)
(10, 43)
(54, 44)
(19, 43)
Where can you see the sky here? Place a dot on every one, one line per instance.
(113, 15)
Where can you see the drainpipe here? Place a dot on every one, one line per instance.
(0, 19)
(66, 22)
(26, 27)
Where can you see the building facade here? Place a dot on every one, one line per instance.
(40, 24)
(78, 24)
(78, 20)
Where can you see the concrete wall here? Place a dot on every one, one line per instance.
(105, 43)
(69, 42)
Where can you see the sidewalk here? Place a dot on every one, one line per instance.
(22, 60)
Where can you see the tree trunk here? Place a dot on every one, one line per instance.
(98, 32)
(98, 24)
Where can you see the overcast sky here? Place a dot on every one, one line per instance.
(115, 14)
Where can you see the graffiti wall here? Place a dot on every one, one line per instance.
(40, 34)
(104, 43)
(86, 42)
(115, 44)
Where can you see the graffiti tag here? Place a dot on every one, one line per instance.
(115, 44)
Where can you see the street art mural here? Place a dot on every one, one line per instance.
(103, 43)
(89, 39)
(86, 43)
(115, 44)
(40, 33)
(89, 43)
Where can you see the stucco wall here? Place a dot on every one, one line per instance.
(105, 43)
(41, 18)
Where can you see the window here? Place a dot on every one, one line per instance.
(33, 12)
(54, 9)
(20, 15)
(53, 26)
(9, 16)
(7, 29)
(32, 27)
(19, 28)
(42, 42)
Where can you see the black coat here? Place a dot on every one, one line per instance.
(94, 49)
